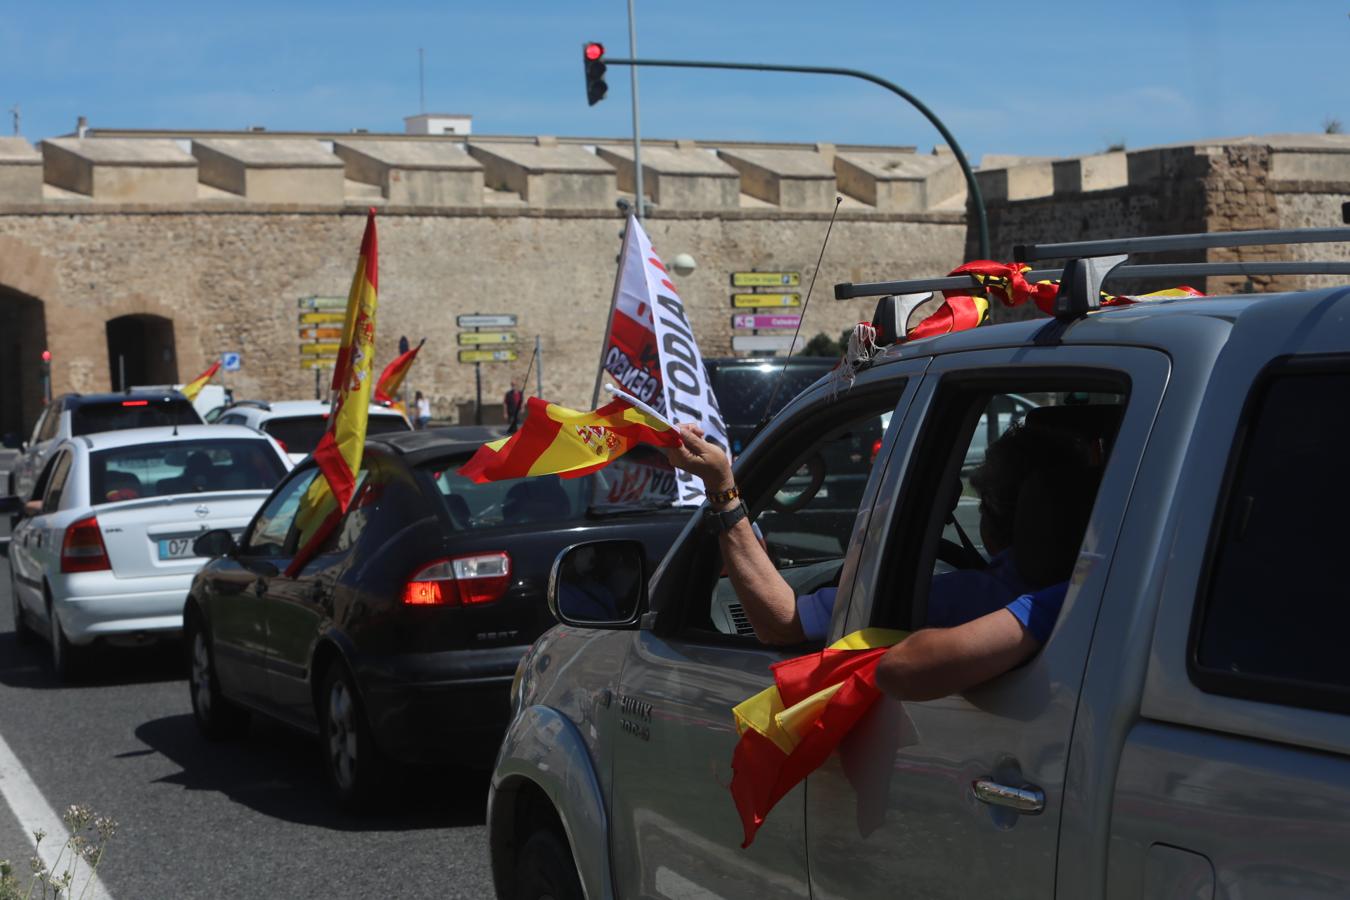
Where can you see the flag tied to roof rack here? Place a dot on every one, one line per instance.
(194, 387)
(1007, 282)
(555, 440)
(339, 452)
(789, 729)
(391, 379)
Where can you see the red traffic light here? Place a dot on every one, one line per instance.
(594, 50)
(46, 356)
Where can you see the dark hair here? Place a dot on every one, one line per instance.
(418, 396)
(1020, 452)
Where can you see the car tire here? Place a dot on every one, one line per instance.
(546, 869)
(217, 718)
(67, 659)
(23, 632)
(351, 760)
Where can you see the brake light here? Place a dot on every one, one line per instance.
(460, 581)
(282, 444)
(82, 550)
(876, 448)
(135, 402)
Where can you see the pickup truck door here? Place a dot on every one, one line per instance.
(674, 830)
(894, 812)
(1234, 778)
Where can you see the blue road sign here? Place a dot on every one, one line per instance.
(231, 362)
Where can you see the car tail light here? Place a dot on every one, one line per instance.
(282, 445)
(135, 402)
(82, 550)
(876, 449)
(460, 581)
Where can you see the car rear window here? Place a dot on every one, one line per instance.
(133, 412)
(638, 481)
(300, 434)
(743, 389)
(182, 467)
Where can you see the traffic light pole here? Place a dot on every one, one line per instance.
(981, 218)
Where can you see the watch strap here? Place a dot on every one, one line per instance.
(721, 522)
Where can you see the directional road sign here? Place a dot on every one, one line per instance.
(231, 362)
(323, 303)
(495, 320)
(472, 338)
(326, 363)
(764, 301)
(477, 356)
(766, 279)
(322, 318)
(320, 334)
(749, 320)
(322, 349)
(762, 342)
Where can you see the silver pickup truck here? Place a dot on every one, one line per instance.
(1184, 731)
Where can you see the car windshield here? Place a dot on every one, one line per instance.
(640, 480)
(132, 412)
(743, 389)
(182, 467)
(300, 434)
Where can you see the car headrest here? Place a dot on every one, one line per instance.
(1052, 514)
(1096, 423)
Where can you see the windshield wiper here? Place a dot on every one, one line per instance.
(602, 511)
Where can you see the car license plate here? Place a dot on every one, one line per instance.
(176, 548)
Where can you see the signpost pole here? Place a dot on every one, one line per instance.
(478, 381)
(316, 384)
(538, 367)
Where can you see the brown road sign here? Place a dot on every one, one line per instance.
(321, 334)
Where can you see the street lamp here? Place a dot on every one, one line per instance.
(683, 264)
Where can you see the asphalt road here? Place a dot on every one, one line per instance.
(248, 818)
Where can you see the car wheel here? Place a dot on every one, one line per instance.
(351, 759)
(67, 659)
(546, 869)
(23, 632)
(216, 717)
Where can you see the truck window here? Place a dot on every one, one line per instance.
(998, 498)
(1274, 613)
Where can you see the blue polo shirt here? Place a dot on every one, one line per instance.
(959, 597)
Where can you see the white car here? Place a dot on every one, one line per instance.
(104, 548)
(298, 424)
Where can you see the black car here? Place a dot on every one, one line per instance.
(399, 639)
(745, 386)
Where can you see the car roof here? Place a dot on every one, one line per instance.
(105, 440)
(417, 447)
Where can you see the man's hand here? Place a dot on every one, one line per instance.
(701, 458)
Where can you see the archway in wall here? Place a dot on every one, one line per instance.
(141, 351)
(23, 337)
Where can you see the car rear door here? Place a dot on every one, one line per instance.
(1234, 779)
(895, 810)
(674, 830)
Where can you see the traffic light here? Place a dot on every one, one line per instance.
(593, 58)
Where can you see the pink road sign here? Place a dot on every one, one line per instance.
(747, 320)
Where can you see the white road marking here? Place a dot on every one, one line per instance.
(34, 813)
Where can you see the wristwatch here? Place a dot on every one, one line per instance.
(721, 522)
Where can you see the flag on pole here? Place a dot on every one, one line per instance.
(194, 387)
(789, 729)
(339, 452)
(650, 350)
(391, 379)
(555, 440)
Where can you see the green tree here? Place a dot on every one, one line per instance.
(824, 345)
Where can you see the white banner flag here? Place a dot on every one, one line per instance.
(650, 350)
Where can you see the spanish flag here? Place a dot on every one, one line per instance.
(194, 387)
(789, 729)
(339, 452)
(955, 314)
(558, 441)
(391, 379)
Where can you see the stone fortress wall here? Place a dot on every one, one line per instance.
(222, 233)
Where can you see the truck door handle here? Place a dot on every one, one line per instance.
(1028, 799)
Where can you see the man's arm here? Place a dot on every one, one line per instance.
(768, 600)
(935, 662)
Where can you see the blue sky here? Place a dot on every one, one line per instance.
(1053, 78)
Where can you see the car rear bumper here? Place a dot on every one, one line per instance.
(450, 707)
(92, 605)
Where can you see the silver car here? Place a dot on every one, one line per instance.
(1183, 732)
(104, 550)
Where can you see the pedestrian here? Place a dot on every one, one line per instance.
(511, 402)
(422, 406)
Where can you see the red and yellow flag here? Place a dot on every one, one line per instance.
(391, 379)
(789, 729)
(194, 387)
(339, 452)
(558, 441)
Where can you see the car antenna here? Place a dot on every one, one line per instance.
(768, 407)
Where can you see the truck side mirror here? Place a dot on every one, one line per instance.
(598, 584)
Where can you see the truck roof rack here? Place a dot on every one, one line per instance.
(1092, 263)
